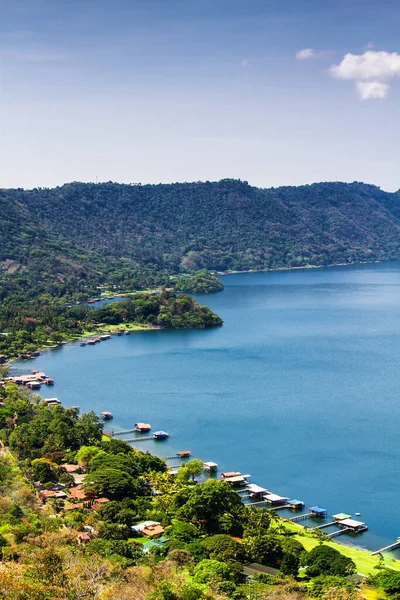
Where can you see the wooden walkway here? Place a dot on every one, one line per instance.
(300, 517)
(387, 548)
(338, 532)
(122, 432)
(326, 525)
(140, 439)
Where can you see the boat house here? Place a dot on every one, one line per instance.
(142, 427)
(238, 480)
(184, 454)
(256, 491)
(160, 435)
(106, 415)
(341, 516)
(275, 500)
(228, 474)
(296, 504)
(211, 467)
(318, 511)
(354, 526)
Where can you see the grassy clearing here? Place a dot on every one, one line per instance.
(365, 563)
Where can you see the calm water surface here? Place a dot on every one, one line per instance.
(300, 387)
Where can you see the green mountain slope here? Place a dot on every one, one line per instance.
(181, 227)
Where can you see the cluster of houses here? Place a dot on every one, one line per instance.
(71, 497)
(34, 380)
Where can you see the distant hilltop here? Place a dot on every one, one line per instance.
(83, 228)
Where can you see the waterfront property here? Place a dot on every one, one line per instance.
(183, 454)
(256, 491)
(237, 480)
(353, 525)
(228, 474)
(275, 500)
(160, 435)
(142, 427)
(318, 511)
(341, 516)
(106, 415)
(295, 504)
(211, 467)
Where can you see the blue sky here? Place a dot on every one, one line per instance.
(183, 90)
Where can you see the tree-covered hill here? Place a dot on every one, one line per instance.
(183, 227)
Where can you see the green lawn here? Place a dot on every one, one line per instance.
(365, 563)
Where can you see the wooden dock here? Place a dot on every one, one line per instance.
(139, 439)
(338, 532)
(326, 525)
(122, 432)
(387, 548)
(300, 517)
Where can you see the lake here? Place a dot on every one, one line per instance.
(300, 388)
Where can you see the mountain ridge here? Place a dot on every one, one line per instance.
(82, 229)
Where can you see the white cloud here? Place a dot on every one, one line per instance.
(306, 53)
(244, 62)
(372, 89)
(371, 71)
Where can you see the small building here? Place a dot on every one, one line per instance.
(184, 454)
(51, 401)
(238, 480)
(256, 491)
(47, 494)
(275, 500)
(70, 468)
(296, 504)
(318, 511)
(142, 427)
(211, 467)
(355, 526)
(78, 494)
(34, 385)
(341, 516)
(138, 528)
(152, 531)
(106, 415)
(160, 435)
(230, 474)
(83, 537)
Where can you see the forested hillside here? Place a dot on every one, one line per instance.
(227, 225)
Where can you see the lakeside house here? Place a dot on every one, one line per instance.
(318, 511)
(142, 427)
(256, 491)
(211, 467)
(353, 525)
(237, 480)
(275, 499)
(295, 504)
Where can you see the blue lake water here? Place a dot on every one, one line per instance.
(300, 388)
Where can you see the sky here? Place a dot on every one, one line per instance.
(274, 92)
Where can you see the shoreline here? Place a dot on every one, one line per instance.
(305, 268)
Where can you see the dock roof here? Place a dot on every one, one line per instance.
(295, 502)
(341, 516)
(210, 464)
(275, 498)
(352, 523)
(256, 489)
(318, 509)
(237, 479)
(230, 474)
